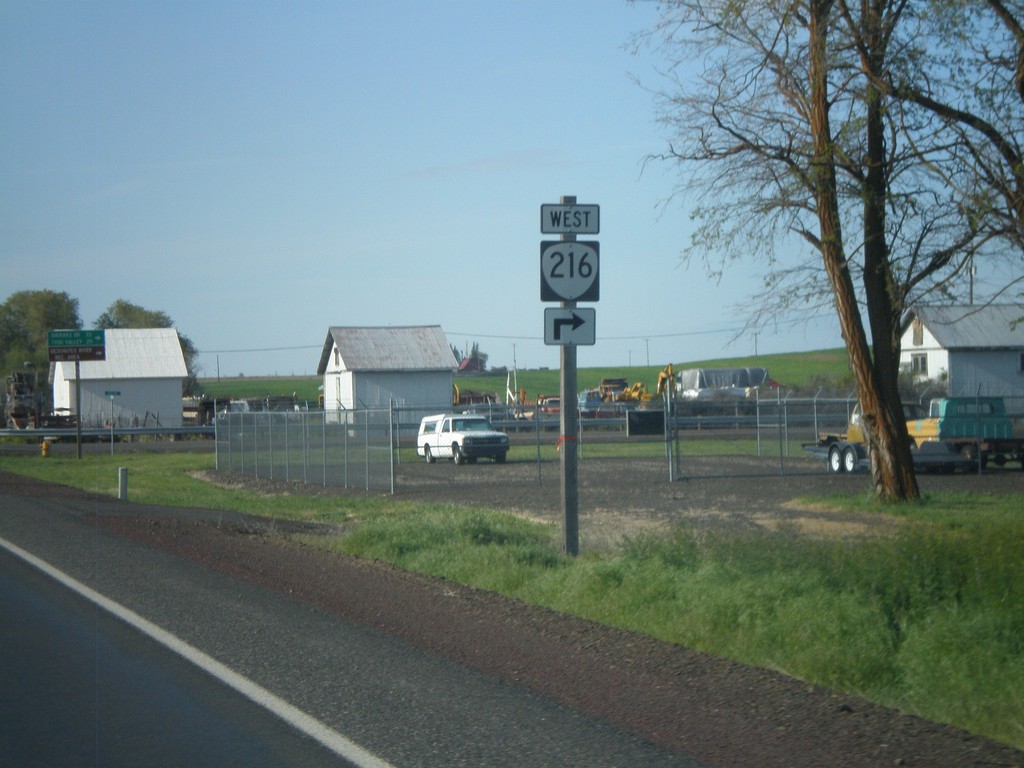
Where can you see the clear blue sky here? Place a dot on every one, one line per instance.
(261, 171)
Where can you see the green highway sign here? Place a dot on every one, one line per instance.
(75, 345)
(76, 338)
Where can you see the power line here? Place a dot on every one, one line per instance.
(465, 334)
(260, 349)
(603, 338)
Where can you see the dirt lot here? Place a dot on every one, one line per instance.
(722, 713)
(621, 497)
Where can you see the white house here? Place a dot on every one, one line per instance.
(974, 349)
(369, 367)
(139, 383)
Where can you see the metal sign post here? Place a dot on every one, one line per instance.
(111, 395)
(78, 407)
(569, 272)
(77, 345)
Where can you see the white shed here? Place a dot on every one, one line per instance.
(975, 349)
(371, 367)
(139, 383)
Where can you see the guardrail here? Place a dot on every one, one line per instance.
(100, 432)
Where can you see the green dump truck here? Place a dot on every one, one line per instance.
(978, 428)
(954, 433)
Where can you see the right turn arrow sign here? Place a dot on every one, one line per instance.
(563, 327)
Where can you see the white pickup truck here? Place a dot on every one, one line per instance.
(462, 438)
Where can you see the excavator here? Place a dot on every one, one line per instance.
(601, 401)
(665, 380)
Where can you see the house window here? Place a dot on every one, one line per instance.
(337, 358)
(918, 332)
(919, 364)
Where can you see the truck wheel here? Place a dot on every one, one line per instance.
(428, 455)
(850, 459)
(835, 459)
(499, 458)
(457, 455)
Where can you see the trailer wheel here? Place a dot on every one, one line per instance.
(850, 459)
(835, 459)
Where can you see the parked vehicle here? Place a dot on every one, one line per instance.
(616, 397)
(848, 452)
(463, 438)
(592, 405)
(955, 433)
(545, 406)
(976, 427)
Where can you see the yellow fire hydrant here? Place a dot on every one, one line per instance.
(45, 448)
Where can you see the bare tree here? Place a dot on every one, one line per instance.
(819, 122)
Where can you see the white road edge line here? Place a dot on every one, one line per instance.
(309, 725)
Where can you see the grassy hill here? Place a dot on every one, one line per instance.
(793, 371)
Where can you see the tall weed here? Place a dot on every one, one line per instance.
(931, 620)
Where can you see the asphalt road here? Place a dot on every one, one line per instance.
(77, 681)
(81, 688)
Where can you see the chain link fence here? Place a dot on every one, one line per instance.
(351, 449)
(360, 449)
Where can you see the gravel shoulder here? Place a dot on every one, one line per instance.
(716, 711)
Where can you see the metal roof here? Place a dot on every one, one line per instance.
(389, 348)
(135, 353)
(962, 326)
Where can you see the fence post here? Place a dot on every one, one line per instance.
(757, 419)
(344, 452)
(814, 402)
(393, 438)
(305, 446)
(779, 420)
(255, 443)
(668, 434)
(536, 429)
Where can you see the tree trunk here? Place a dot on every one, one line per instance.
(891, 462)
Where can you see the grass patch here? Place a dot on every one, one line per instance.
(170, 479)
(637, 449)
(929, 619)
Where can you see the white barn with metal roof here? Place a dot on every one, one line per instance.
(143, 366)
(977, 350)
(367, 367)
